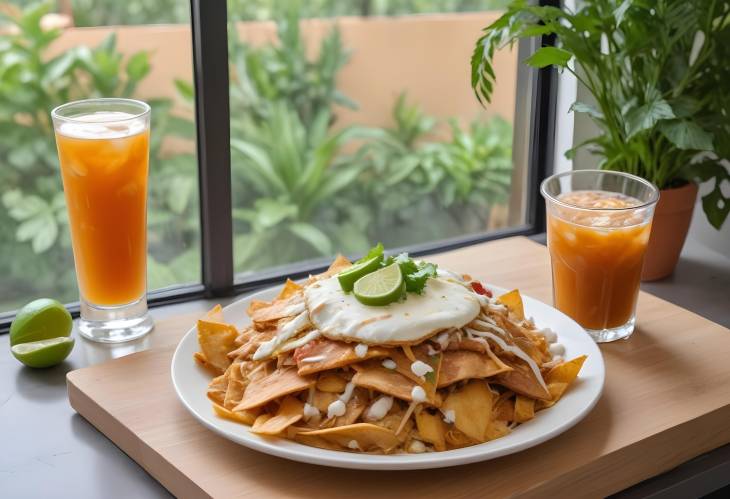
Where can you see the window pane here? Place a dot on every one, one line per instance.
(346, 131)
(61, 51)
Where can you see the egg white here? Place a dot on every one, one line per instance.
(444, 304)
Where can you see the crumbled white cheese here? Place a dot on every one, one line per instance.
(361, 350)
(310, 412)
(557, 349)
(416, 447)
(431, 350)
(336, 409)
(379, 409)
(549, 334)
(418, 394)
(420, 368)
(443, 340)
(352, 444)
(389, 364)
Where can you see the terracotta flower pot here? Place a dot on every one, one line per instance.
(668, 231)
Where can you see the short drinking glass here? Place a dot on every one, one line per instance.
(103, 148)
(598, 225)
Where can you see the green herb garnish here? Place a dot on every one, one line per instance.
(414, 274)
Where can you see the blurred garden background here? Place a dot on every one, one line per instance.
(352, 122)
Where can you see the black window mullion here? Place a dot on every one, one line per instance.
(212, 117)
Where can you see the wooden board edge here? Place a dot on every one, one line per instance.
(137, 449)
(668, 449)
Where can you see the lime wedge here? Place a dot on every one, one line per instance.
(43, 353)
(381, 287)
(40, 320)
(348, 277)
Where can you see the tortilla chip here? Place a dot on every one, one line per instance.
(376, 377)
(513, 301)
(245, 417)
(341, 263)
(472, 406)
(354, 408)
(521, 380)
(464, 364)
(267, 388)
(457, 439)
(290, 411)
(496, 429)
(334, 353)
(236, 386)
(264, 316)
(369, 437)
(559, 378)
(524, 409)
(290, 288)
(216, 339)
(331, 382)
(504, 409)
(217, 389)
(432, 429)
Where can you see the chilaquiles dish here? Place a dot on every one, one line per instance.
(438, 364)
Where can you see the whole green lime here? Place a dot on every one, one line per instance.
(41, 319)
(43, 353)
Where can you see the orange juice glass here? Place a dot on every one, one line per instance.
(103, 148)
(598, 225)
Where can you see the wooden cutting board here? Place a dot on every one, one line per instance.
(666, 400)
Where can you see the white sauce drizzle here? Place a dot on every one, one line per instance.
(449, 416)
(380, 408)
(338, 408)
(361, 350)
(418, 394)
(352, 444)
(431, 350)
(310, 411)
(493, 327)
(294, 309)
(287, 331)
(312, 335)
(314, 358)
(515, 350)
(420, 368)
(389, 364)
(443, 339)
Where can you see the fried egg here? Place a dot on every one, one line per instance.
(444, 304)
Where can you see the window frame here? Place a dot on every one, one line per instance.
(209, 27)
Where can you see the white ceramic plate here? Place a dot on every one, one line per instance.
(191, 382)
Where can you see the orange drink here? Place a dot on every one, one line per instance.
(598, 226)
(103, 148)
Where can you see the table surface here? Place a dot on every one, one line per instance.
(43, 436)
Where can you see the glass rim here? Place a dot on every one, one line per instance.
(146, 109)
(652, 188)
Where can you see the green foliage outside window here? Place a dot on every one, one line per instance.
(303, 187)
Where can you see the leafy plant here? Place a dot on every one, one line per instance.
(421, 189)
(658, 72)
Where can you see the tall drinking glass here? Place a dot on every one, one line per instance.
(103, 147)
(598, 225)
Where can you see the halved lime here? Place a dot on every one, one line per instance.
(348, 277)
(40, 320)
(43, 353)
(381, 287)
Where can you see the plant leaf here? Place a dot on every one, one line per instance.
(549, 56)
(686, 135)
(646, 116)
(315, 237)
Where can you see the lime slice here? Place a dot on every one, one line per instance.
(381, 287)
(40, 320)
(43, 353)
(348, 277)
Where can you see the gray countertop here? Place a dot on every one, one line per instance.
(50, 451)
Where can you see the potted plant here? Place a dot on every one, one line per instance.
(659, 75)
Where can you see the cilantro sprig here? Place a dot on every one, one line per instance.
(415, 274)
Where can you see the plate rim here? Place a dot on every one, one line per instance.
(340, 459)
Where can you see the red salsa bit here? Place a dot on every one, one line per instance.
(479, 288)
